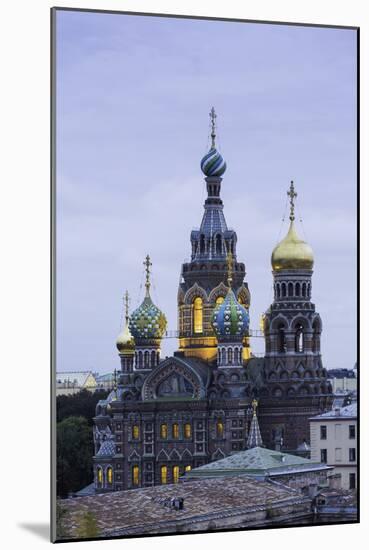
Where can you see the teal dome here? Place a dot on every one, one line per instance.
(147, 322)
(213, 164)
(230, 319)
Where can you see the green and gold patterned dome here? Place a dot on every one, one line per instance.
(147, 322)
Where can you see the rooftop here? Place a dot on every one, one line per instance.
(142, 510)
(349, 411)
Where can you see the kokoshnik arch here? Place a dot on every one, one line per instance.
(165, 417)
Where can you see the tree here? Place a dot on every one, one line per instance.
(74, 455)
(82, 403)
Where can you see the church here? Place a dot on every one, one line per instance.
(165, 417)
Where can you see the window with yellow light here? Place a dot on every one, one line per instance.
(197, 315)
(135, 432)
(187, 431)
(164, 431)
(175, 431)
(175, 474)
(135, 475)
(220, 428)
(163, 474)
(109, 475)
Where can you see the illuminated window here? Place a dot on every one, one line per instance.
(188, 468)
(163, 474)
(197, 315)
(99, 477)
(135, 475)
(135, 432)
(299, 339)
(175, 474)
(109, 475)
(219, 300)
(220, 428)
(164, 431)
(175, 431)
(187, 431)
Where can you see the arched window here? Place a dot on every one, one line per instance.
(175, 474)
(223, 356)
(220, 428)
(187, 430)
(135, 431)
(109, 475)
(135, 476)
(175, 431)
(219, 300)
(140, 358)
(99, 477)
(297, 289)
(278, 290)
(147, 359)
(230, 356)
(290, 289)
(218, 244)
(164, 431)
(283, 290)
(153, 357)
(299, 339)
(163, 475)
(202, 244)
(188, 468)
(303, 291)
(236, 357)
(197, 315)
(282, 348)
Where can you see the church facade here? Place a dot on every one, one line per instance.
(165, 417)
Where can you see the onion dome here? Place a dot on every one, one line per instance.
(125, 340)
(147, 322)
(213, 164)
(292, 252)
(230, 319)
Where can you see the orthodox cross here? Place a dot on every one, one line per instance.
(147, 264)
(292, 194)
(213, 116)
(254, 405)
(126, 304)
(229, 268)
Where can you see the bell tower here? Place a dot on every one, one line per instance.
(204, 279)
(294, 372)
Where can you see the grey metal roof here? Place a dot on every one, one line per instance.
(107, 448)
(350, 411)
(257, 461)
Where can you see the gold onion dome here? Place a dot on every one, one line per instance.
(292, 252)
(125, 340)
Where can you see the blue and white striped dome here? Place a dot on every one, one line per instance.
(213, 163)
(230, 319)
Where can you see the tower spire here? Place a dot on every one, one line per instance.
(229, 268)
(254, 439)
(213, 116)
(147, 263)
(292, 194)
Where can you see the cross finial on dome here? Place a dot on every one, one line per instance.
(126, 301)
(292, 194)
(254, 405)
(229, 268)
(213, 116)
(147, 263)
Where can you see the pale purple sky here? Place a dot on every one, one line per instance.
(133, 97)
